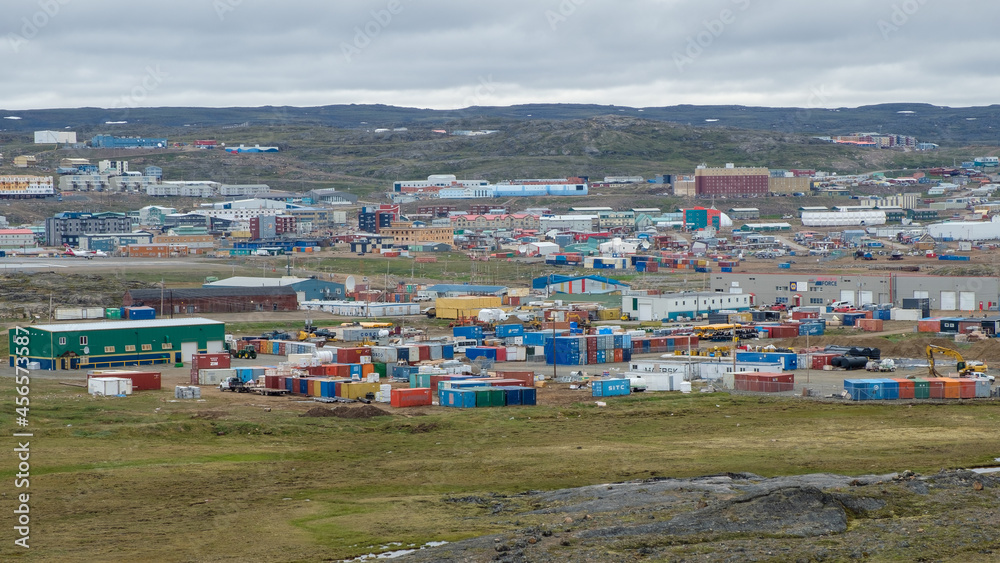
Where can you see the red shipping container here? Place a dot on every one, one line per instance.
(501, 353)
(315, 370)
(194, 376)
(526, 377)
(273, 382)
(967, 388)
(415, 397)
(869, 315)
(424, 351)
(820, 360)
(907, 388)
(591, 343)
(436, 379)
(619, 355)
(799, 315)
(501, 382)
(141, 380)
(592, 356)
(211, 361)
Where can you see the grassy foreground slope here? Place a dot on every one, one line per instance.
(238, 478)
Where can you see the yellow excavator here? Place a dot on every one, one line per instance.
(965, 369)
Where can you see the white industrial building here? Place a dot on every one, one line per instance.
(618, 247)
(467, 192)
(243, 190)
(435, 182)
(966, 230)
(843, 218)
(538, 248)
(579, 223)
(55, 137)
(676, 305)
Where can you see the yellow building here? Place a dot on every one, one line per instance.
(403, 233)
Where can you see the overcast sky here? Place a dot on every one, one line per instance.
(456, 53)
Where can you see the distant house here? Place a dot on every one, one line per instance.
(744, 213)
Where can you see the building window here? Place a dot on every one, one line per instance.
(130, 347)
(147, 347)
(109, 349)
(83, 341)
(168, 345)
(62, 340)
(816, 300)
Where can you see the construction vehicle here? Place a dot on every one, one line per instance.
(965, 369)
(246, 353)
(886, 365)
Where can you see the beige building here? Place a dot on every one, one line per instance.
(25, 161)
(684, 188)
(496, 222)
(403, 233)
(196, 243)
(789, 185)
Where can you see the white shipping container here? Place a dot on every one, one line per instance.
(384, 354)
(109, 386)
(689, 370)
(718, 370)
(658, 381)
(214, 376)
(299, 360)
(906, 314)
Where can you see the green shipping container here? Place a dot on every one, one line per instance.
(113, 313)
(489, 397)
(381, 369)
(921, 389)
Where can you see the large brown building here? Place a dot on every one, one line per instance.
(731, 182)
(214, 300)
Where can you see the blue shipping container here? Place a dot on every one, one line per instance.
(610, 387)
(457, 398)
(475, 332)
(507, 331)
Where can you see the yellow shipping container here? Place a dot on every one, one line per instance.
(609, 314)
(468, 306)
(358, 390)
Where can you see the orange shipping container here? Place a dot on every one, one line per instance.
(907, 388)
(929, 325)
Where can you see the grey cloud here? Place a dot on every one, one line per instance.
(435, 53)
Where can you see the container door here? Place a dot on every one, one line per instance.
(847, 295)
(188, 349)
(967, 300)
(948, 301)
(645, 311)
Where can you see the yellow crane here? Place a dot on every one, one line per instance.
(965, 369)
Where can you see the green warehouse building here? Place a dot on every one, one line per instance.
(119, 343)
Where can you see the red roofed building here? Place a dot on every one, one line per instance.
(17, 238)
